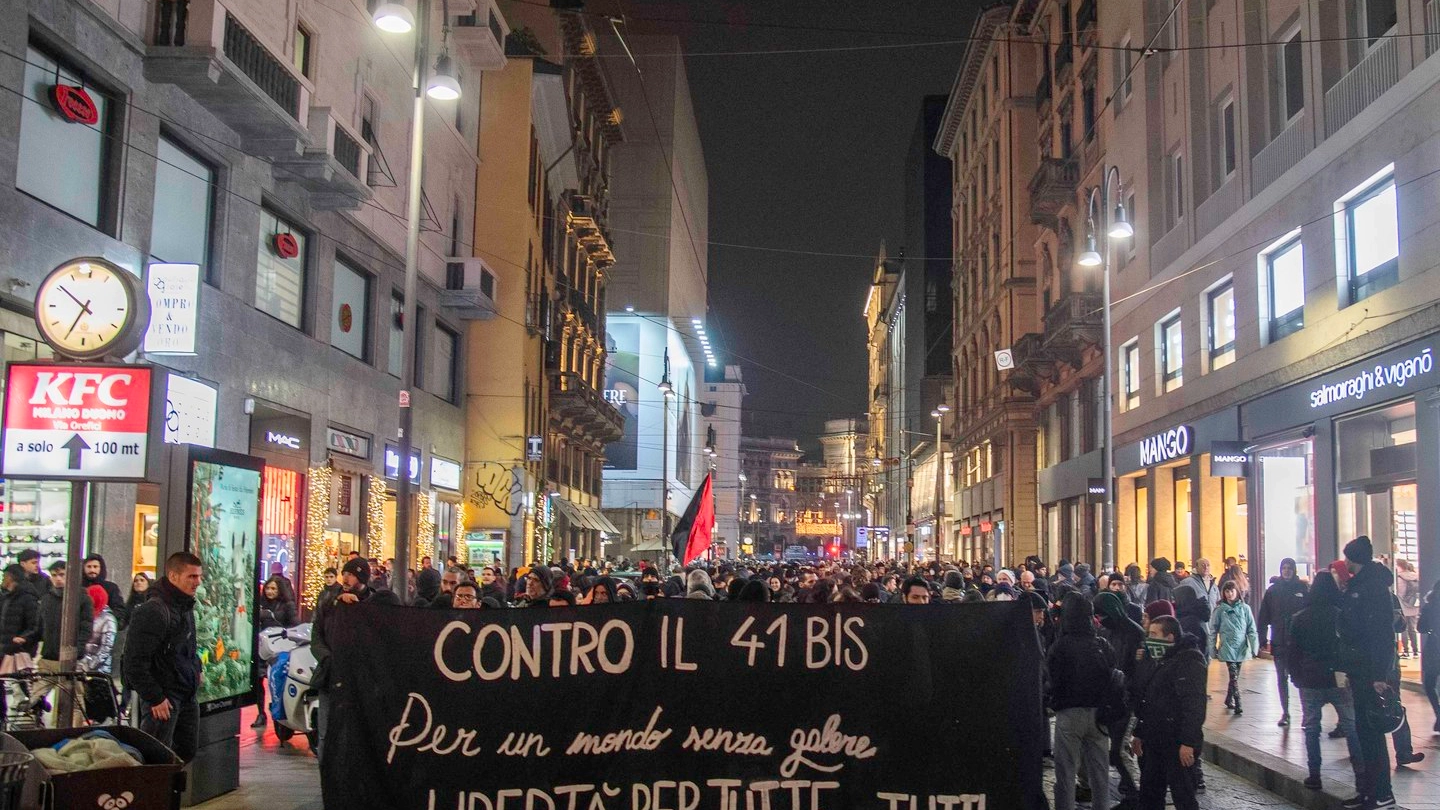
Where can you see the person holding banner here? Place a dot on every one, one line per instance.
(354, 589)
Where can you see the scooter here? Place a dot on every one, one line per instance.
(294, 705)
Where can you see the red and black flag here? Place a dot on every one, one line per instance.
(692, 535)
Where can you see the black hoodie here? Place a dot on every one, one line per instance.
(117, 601)
(1161, 586)
(1171, 709)
(1367, 621)
(1079, 662)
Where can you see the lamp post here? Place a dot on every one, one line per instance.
(668, 391)
(939, 414)
(1117, 227)
(395, 18)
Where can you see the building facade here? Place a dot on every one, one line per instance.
(886, 489)
(537, 421)
(265, 149)
(772, 471)
(1274, 375)
(722, 407)
(989, 133)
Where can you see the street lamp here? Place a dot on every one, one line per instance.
(1118, 227)
(395, 18)
(668, 391)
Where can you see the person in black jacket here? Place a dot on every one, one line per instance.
(1193, 611)
(161, 663)
(1429, 627)
(19, 619)
(1367, 654)
(1127, 639)
(354, 589)
(1283, 599)
(30, 561)
(97, 573)
(274, 608)
(1161, 585)
(1170, 717)
(52, 612)
(1313, 651)
(1078, 666)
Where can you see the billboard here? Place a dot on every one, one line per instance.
(622, 390)
(223, 532)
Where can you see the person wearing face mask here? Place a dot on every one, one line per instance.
(1170, 716)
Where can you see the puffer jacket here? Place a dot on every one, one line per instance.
(1367, 625)
(19, 617)
(1314, 648)
(100, 648)
(1171, 708)
(1235, 636)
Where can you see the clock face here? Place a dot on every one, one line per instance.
(88, 308)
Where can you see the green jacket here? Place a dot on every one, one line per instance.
(1236, 638)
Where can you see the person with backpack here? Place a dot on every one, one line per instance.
(1236, 640)
(161, 663)
(1079, 667)
(1314, 654)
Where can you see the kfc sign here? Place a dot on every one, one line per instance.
(89, 422)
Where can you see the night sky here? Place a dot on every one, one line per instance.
(806, 153)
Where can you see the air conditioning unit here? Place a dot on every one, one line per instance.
(469, 288)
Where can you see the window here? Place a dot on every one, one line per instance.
(1225, 127)
(1370, 236)
(1220, 311)
(180, 227)
(49, 141)
(396, 348)
(421, 344)
(1374, 18)
(1130, 353)
(1088, 96)
(302, 51)
(1289, 86)
(1283, 279)
(280, 280)
(1124, 64)
(1177, 187)
(350, 315)
(442, 369)
(1172, 353)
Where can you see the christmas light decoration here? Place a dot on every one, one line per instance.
(425, 525)
(375, 518)
(462, 548)
(319, 551)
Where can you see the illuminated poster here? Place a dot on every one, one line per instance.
(622, 389)
(224, 522)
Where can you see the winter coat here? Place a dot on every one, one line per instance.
(1367, 622)
(1429, 625)
(1136, 592)
(1208, 591)
(495, 590)
(19, 616)
(161, 661)
(116, 602)
(137, 598)
(1313, 653)
(324, 611)
(1407, 590)
(1193, 612)
(1171, 708)
(1161, 586)
(1126, 637)
(1282, 599)
(101, 645)
(275, 613)
(1079, 662)
(1235, 636)
(51, 615)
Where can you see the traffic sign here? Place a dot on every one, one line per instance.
(76, 422)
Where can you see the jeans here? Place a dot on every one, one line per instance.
(1410, 638)
(1160, 768)
(1079, 741)
(1374, 753)
(1282, 682)
(180, 732)
(1312, 703)
(1122, 760)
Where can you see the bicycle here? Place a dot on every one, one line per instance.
(99, 701)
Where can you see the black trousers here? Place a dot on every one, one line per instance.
(1160, 768)
(1282, 682)
(180, 732)
(1119, 750)
(1375, 777)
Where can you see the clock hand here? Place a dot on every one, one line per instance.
(84, 306)
(84, 310)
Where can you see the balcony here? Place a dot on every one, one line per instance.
(575, 301)
(584, 221)
(582, 407)
(1367, 81)
(1280, 155)
(1075, 321)
(332, 168)
(1053, 188)
(1432, 27)
(230, 72)
(480, 37)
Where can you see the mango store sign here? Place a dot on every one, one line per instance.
(174, 308)
(1167, 446)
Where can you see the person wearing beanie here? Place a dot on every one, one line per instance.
(1282, 600)
(354, 589)
(1161, 585)
(1127, 639)
(1313, 652)
(1170, 715)
(1367, 656)
(1078, 666)
(1158, 608)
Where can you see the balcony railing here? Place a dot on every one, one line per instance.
(256, 62)
(1359, 88)
(575, 400)
(347, 152)
(1280, 154)
(1074, 319)
(1052, 188)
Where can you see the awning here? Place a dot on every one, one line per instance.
(586, 517)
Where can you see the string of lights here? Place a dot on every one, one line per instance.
(320, 552)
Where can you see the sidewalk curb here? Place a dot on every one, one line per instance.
(1277, 775)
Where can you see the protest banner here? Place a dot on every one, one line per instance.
(680, 704)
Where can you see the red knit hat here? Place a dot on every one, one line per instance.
(1158, 608)
(1341, 572)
